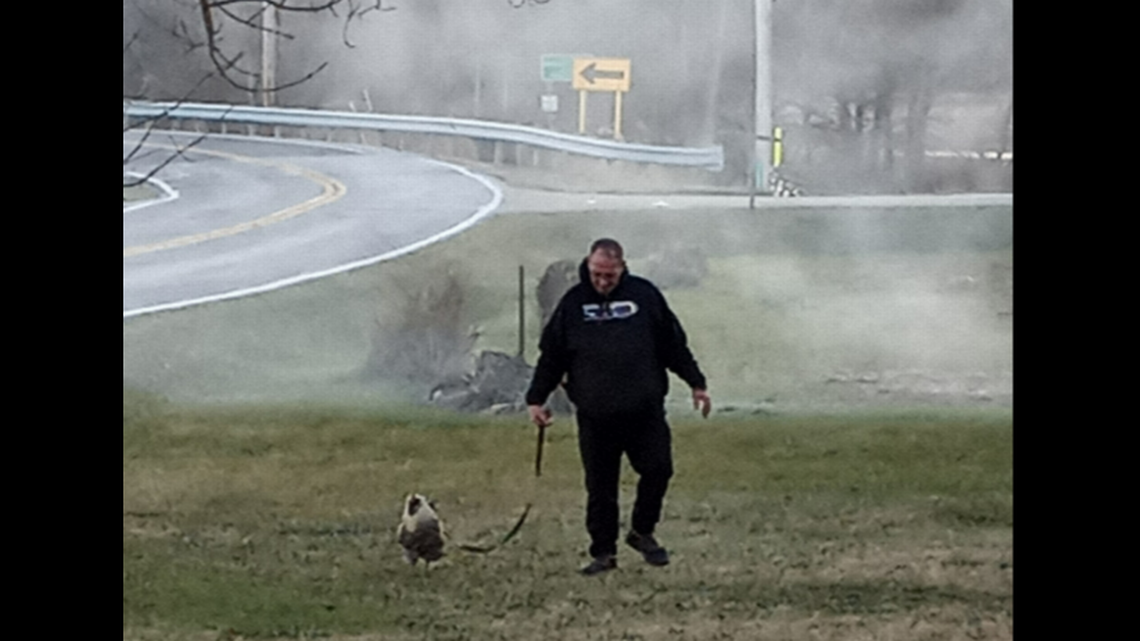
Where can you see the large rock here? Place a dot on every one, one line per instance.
(559, 277)
(499, 381)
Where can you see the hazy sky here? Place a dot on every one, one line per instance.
(691, 60)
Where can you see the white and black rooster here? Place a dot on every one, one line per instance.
(420, 532)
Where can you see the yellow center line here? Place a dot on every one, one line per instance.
(331, 191)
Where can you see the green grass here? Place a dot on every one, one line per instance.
(263, 474)
(279, 523)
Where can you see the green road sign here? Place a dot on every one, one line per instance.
(557, 68)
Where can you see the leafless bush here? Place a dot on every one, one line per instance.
(556, 280)
(424, 334)
(559, 277)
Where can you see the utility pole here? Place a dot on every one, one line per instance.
(268, 53)
(762, 149)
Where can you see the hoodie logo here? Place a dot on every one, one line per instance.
(615, 310)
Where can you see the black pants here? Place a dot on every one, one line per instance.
(642, 436)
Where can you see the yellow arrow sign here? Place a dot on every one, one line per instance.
(601, 74)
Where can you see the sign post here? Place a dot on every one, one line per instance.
(555, 68)
(617, 115)
(600, 74)
(582, 111)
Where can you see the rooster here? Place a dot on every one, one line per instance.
(420, 532)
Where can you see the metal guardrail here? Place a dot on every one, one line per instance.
(711, 158)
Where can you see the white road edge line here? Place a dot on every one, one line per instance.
(482, 212)
(168, 193)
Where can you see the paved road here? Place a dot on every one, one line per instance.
(243, 215)
(246, 215)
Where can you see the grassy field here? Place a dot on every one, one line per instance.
(791, 299)
(279, 522)
(854, 482)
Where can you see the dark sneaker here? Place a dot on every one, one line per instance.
(645, 543)
(600, 564)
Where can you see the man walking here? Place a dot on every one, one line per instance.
(613, 337)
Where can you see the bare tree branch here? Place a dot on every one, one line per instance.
(179, 152)
(359, 13)
(148, 125)
(249, 22)
(282, 5)
(138, 143)
(227, 61)
(239, 68)
(134, 37)
(228, 66)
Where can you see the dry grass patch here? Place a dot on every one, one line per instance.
(276, 523)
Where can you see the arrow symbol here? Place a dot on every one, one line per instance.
(590, 71)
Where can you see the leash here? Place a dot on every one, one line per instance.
(483, 549)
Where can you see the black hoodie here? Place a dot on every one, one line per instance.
(613, 349)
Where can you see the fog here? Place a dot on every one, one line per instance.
(875, 303)
(855, 82)
(789, 310)
(844, 307)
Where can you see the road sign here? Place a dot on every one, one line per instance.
(557, 67)
(549, 103)
(601, 74)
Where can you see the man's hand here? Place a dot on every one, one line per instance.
(702, 401)
(539, 415)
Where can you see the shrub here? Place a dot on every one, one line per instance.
(423, 334)
(559, 277)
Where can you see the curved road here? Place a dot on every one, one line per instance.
(244, 215)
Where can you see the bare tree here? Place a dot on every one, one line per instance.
(881, 61)
(222, 30)
(226, 37)
(228, 59)
(147, 127)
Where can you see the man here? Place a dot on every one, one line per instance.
(613, 337)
